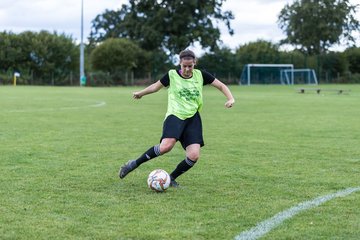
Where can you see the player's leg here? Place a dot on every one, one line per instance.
(165, 146)
(172, 130)
(192, 141)
(131, 165)
(192, 155)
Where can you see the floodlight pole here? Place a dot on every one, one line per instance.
(82, 72)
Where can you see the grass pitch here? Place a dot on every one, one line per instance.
(61, 149)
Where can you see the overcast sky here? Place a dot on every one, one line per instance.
(255, 19)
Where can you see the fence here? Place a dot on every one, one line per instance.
(133, 78)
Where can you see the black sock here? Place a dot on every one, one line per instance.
(151, 153)
(182, 167)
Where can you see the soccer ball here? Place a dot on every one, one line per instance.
(158, 180)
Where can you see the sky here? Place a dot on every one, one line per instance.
(254, 19)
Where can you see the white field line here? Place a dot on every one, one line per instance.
(97, 104)
(266, 226)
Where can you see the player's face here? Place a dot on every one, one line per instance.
(187, 65)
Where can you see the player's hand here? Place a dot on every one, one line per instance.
(137, 95)
(230, 103)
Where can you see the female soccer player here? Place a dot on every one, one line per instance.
(182, 121)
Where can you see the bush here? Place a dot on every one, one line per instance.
(354, 78)
(100, 78)
(5, 78)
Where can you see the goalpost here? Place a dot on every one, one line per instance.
(267, 74)
(300, 76)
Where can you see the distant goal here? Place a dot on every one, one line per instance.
(266, 74)
(300, 76)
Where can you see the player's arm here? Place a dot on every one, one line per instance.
(148, 90)
(226, 91)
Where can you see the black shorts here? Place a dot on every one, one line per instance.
(188, 131)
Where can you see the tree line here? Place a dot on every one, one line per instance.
(39, 57)
(139, 42)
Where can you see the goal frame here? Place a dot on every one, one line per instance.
(251, 65)
(310, 73)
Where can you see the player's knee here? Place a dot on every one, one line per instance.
(194, 156)
(166, 146)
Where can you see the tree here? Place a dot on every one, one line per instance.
(353, 58)
(10, 51)
(50, 55)
(158, 25)
(258, 52)
(314, 26)
(333, 65)
(42, 55)
(221, 63)
(116, 56)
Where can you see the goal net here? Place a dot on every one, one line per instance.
(267, 74)
(300, 76)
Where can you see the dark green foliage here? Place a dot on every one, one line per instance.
(314, 26)
(44, 56)
(116, 56)
(157, 25)
(334, 63)
(258, 52)
(353, 58)
(222, 63)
